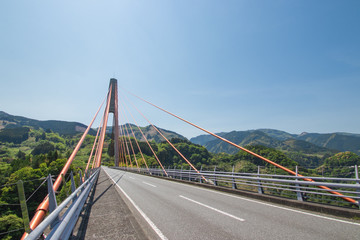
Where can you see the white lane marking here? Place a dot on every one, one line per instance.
(212, 208)
(131, 178)
(147, 219)
(284, 208)
(266, 204)
(149, 184)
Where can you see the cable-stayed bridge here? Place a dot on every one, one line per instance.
(134, 200)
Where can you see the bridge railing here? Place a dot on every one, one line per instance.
(61, 225)
(288, 186)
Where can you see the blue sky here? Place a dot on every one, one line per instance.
(225, 65)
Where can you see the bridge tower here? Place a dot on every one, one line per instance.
(114, 109)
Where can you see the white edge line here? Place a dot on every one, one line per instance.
(147, 219)
(149, 184)
(212, 208)
(266, 204)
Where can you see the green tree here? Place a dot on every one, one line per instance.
(57, 165)
(43, 148)
(343, 159)
(9, 223)
(18, 163)
(32, 179)
(5, 171)
(37, 160)
(21, 155)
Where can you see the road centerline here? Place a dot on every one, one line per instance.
(149, 184)
(212, 208)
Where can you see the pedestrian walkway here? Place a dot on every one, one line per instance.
(106, 215)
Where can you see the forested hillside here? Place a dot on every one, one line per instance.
(61, 127)
(30, 155)
(338, 141)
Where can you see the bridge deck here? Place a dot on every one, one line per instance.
(139, 206)
(106, 215)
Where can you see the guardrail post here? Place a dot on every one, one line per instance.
(181, 172)
(63, 181)
(260, 188)
(190, 174)
(233, 179)
(357, 180)
(200, 178)
(24, 209)
(298, 192)
(215, 181)
(174, 171)
(52, 199)
(73, 187)
(80, 179)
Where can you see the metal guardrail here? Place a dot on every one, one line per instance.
(62, 226)
(281, 185)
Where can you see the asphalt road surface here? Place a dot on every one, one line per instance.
(180, 211)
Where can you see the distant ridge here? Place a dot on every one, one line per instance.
(61, 127)
(70, 128)
(339, 141)
(308, 143)
(304, 142)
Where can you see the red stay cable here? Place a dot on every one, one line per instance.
(126, 147)
(103, 130)
(167, 140)
(248, 151)
(136, 142)
(146, 140)
(131, 145)
(122, 146)
(92, 150)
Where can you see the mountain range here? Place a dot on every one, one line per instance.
(8, 121)
(308, 143)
